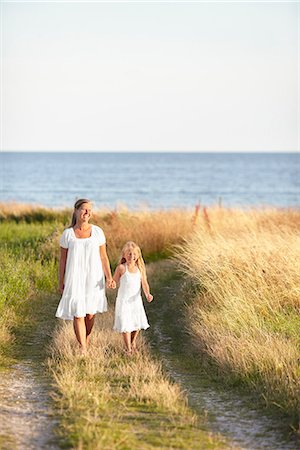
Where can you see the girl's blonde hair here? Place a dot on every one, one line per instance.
(77, 205)
(130, 245)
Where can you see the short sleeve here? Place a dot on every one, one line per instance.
(100, 236)
(64, 239)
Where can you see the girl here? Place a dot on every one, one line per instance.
(130, 316)
(83, 264)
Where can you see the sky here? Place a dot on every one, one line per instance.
(150, 76)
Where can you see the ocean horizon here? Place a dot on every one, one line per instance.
(151, 180)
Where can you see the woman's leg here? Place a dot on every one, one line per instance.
(89, 323)
(127, 340)
(134, 335)
(80, 331)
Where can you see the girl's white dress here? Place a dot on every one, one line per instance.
(84, 282)
(129, 312)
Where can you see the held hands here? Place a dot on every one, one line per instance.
(149, 297)
(111, 284)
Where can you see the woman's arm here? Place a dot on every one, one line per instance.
(106, 267)
(146, 288)
(62, 268)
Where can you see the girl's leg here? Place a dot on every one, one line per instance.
(127, 340)
(89, 323)
(80, 332)
(134, 335)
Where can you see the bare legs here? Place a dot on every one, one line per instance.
(83, 327)
(130, 340)
(134, 335)
(127, 341)
(89, 323)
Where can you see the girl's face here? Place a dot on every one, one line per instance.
(84, 212)
(131, 255)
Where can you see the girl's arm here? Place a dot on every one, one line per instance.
(62, 268)
(110, 283)
(146, 288)
(118, 273)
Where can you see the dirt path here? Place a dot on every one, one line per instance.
(230, 412)
(27, 420)
(26, 416)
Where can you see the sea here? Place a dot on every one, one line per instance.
(151, 180)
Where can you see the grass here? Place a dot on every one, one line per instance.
(155, 232)
(244, 267)
(29, 252)
(24, 276)
(105, 400)
(245, 313)
(110, 401)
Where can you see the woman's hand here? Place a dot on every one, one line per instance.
(111, 284)
(149, 297)
(61, 288)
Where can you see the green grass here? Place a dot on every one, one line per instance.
(110, 401)
(108, 405)
(24, 239)
(26, 273)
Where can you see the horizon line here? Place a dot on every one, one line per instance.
(149, 151)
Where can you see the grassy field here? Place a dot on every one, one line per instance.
(244, 308)
(26, 273)
(110, 401)
(107, 400)
(243, 313)
(29, 244)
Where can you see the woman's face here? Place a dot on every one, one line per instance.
(84, 212)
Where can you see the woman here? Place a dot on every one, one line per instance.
(83, 259)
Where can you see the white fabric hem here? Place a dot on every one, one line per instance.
(130, 331)
(67, 317)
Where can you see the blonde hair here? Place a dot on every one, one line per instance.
(77, 205)
(139, 262)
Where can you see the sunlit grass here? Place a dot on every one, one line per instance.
(155, 231)
(108, 400)
(29, 250)
(246, 314)
(245, 266)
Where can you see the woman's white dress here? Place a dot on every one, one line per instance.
(84, 282)
(129, 312)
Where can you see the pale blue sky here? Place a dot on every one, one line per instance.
(150, 76)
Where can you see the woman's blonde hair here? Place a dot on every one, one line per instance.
(77, 205)
(130, 245)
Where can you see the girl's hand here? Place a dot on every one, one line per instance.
(149, 297)
(61, 288)
(111, 284)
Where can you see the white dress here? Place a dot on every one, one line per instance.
(84, 282)
(129, 312)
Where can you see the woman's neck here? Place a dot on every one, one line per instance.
(82, 225)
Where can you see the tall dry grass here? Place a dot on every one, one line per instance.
(110, 401)
(106, 401)
(29, 213)
(245, 316)
(29, 249)
(155, 231)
